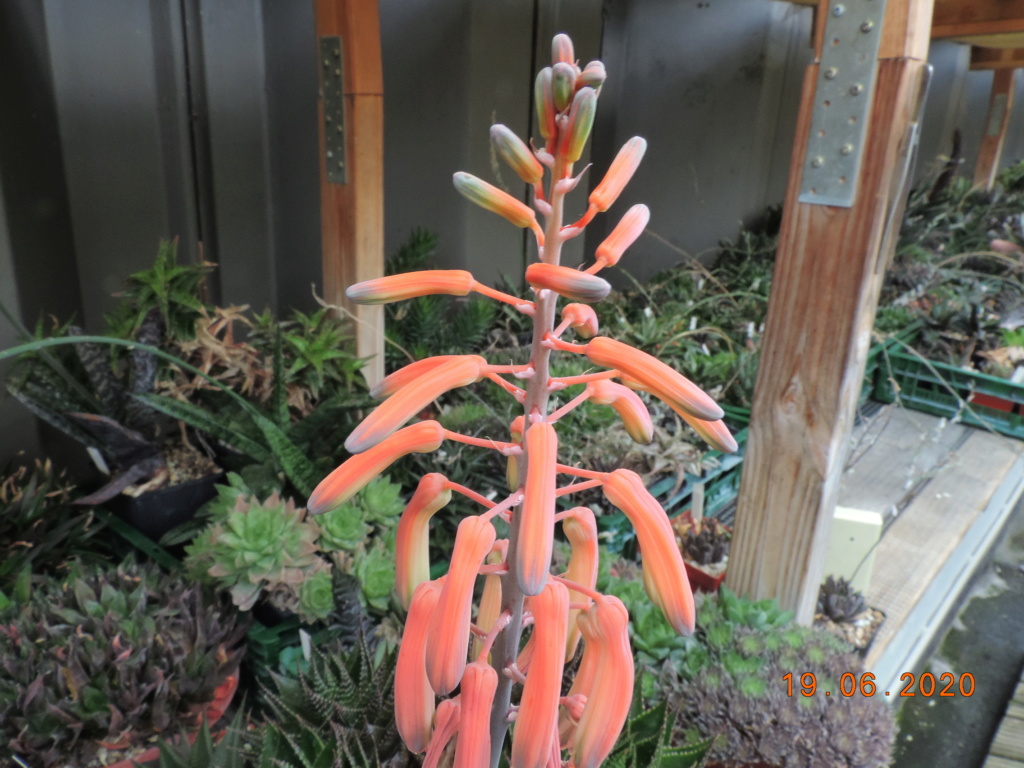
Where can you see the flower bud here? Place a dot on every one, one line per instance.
(460, 371)
(537, 514)
(412, 539)
(490, 198)
(414, 698)
(631, 409)
(580, 529)
(629, 228)
(563, 83)
(490, 598)
(446, 724)
(448, 638)
(479, 682)
(516, 154)
(593, 75)
(410, 285)
(582, 319)
(714, 433)
(512, 468)
(350, 478)
(581, 120)
(566, 281)
(545, 104)
(561, 49)
(621, 171)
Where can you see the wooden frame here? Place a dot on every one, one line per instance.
(996, 121)
(352, 214)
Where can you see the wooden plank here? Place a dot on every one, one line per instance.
(1000, 103)
(957, 18)
(1009, 742)
(352, 214)
(1001, 762)
(996, 58)
(923, 538)
(821, 309)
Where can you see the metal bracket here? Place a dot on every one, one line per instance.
(332, 88)
(842, 102)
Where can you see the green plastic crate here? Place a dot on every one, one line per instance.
(945, 390)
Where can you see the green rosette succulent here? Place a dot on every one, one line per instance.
(381, 502)
(375, 569)
(343, 529)
(316, 594)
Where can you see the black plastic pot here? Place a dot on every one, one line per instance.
(154, 513)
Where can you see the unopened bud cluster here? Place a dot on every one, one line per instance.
(455, 672)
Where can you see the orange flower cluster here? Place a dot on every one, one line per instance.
(446, 689)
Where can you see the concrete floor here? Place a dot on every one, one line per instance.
(987, 640)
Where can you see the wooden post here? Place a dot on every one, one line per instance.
(1000, 103)
(352, 212)
(824, 294)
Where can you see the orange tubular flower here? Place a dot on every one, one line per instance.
(594, 75)
(490, 198)
(663, 569)
(538, 707)
(449, 713)
(490, 599)
(414, 698)
(627, 403)
(581, 687)
(448, 638)
(561, 49)
(537, 518)
(568, 282)
(619, 173)
(654, 376)
(714, 433)
(580, 529)
(582, 319)
(479, 682)
(348, 479)
(412, 557)
(605, 626)
(512, 468)
(624, 235)
(384, 290)
(413, 398)
(411, 372)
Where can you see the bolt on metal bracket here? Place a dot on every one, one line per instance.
(842, 102)
(332, 83)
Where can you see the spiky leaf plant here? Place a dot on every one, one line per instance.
(337, 713)
(110, 656)
(206, 751)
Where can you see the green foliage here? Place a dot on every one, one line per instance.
(204, 752)
(173, 289)
(646, 740)
(113, 654)
(338, 711)
(40, 528)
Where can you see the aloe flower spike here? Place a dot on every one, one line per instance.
(413, 398)
(664, 573)
(350, 478)
(414, 698)
(448, 639)
(412, 556)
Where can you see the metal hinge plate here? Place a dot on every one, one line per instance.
(842, 102)
(332, 88)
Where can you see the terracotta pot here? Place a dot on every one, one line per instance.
(701, 580)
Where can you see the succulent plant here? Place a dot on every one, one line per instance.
(206, 751)
(110, 656)
(40, 528)
(339, 711)
(838, 600)
(708, 545)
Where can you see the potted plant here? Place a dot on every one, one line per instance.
(844, 612)
(106, 657)
(704, 542)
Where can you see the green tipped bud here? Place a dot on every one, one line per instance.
(563, 83)
(516, 154)
(493, 199)
(561, 49)
(593, 75)
(545, 104)
(581, 120)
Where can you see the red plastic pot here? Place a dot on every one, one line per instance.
(701, 580)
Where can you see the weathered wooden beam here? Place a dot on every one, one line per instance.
(963, 18)
(824, 294)
(352, 211)
(1000, 103)
(996, 58)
